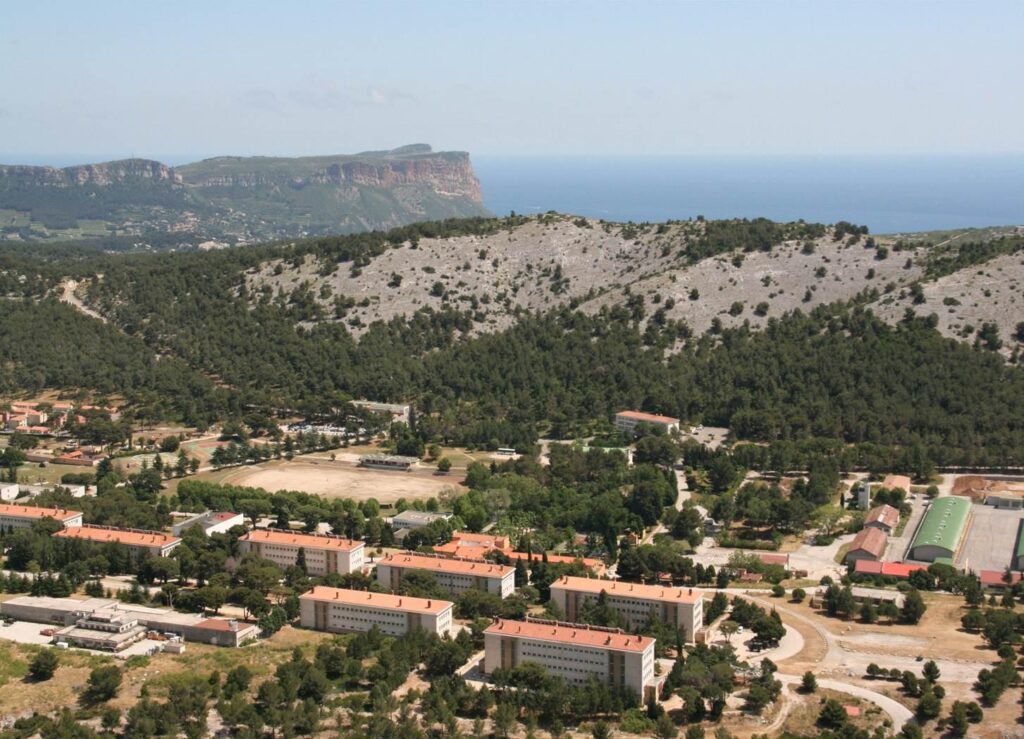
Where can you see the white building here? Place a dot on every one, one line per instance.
(573, 652)
(399, 412)
(454, 575)
(627, 421)
(341, 610)
(136, 541)
(636, 604)
(211, 522)
(23, 516)
(9, 492)
(323, 554)
(411, 519)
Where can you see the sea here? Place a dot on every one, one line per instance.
(892, 194)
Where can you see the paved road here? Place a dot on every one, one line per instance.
(897, 712)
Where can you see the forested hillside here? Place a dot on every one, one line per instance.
(191, 336)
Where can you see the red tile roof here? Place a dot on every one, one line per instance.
(443, 564)
(578, 634)
(24, 511)
(872, 541)
(883, 514)
(628, 589)
(377, 600)
(997, 578)
(769, 558)
(128, 537)
(890, 569)
(299, 539)
(646, 417)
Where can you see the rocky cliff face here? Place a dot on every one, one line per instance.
(449, 174)
(101, 175)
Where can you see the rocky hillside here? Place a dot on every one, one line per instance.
(556, 260)
(231, 200)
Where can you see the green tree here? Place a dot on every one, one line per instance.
(43, 665)
(102, 685)
(809, 683)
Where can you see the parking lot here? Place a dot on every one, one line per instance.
(27, 632)
(991, 539)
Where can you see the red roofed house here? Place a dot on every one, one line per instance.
(867, 544)
(455, 575)
(627, 421)
(897, 482)
(22, 516)
(636, 604)
(997, 578)
(323, 554)
(341, 610)
(136, 541)
(574, 653)
(899, 570)
(465, 545)
(884, 518)
(771, 558)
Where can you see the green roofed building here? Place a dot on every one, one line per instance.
(942, 529)
(1018, 560)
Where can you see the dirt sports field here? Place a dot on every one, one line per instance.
(340, 480)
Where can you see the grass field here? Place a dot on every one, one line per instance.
(335, 480)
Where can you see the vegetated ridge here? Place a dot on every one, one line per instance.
(231, 200)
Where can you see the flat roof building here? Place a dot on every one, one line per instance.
(637, 604)
(455, 575)
(573, 652)
(211, 522)
(194, 627)
(628, 421)
(323, 554)
(23, 516)
(341, 610)
(388, 462)
(869, 543)
(411, 519)
(942, 529)
(399, 412)
(136, 541)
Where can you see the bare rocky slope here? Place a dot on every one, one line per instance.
(556, 260)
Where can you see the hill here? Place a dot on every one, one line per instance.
(232, 200)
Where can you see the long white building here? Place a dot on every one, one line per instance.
(323, 554)
(341, 611)
(455, 575)
(23, 516)
(637, 604)
(628, 421)
(573, 652)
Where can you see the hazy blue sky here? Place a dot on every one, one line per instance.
(183, 78)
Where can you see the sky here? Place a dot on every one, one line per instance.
(187, 79)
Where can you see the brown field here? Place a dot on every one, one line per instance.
(339, 480)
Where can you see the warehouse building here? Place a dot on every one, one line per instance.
(136, 541)
(869, 543)
(323, 554)
(885, 518)
(189, 626)
(637, 604)
(942, 529)
(22, 516)
(341, 611)
(454, 575)
(573, 652)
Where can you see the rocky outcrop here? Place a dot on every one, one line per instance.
(101, 175)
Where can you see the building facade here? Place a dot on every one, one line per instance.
(869, 543)
(323, 554)
(341, 611)
(636, 604)
(22, 516)
(628, 421)
(454, 575)
(942, 529)
(573, 652)
(136, 541)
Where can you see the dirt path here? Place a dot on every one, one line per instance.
(68, 296)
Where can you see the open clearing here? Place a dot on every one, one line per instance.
(340, 480)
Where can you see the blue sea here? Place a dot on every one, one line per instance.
(887, 194)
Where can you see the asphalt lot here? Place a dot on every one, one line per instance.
(991, 539)
(27, 632)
